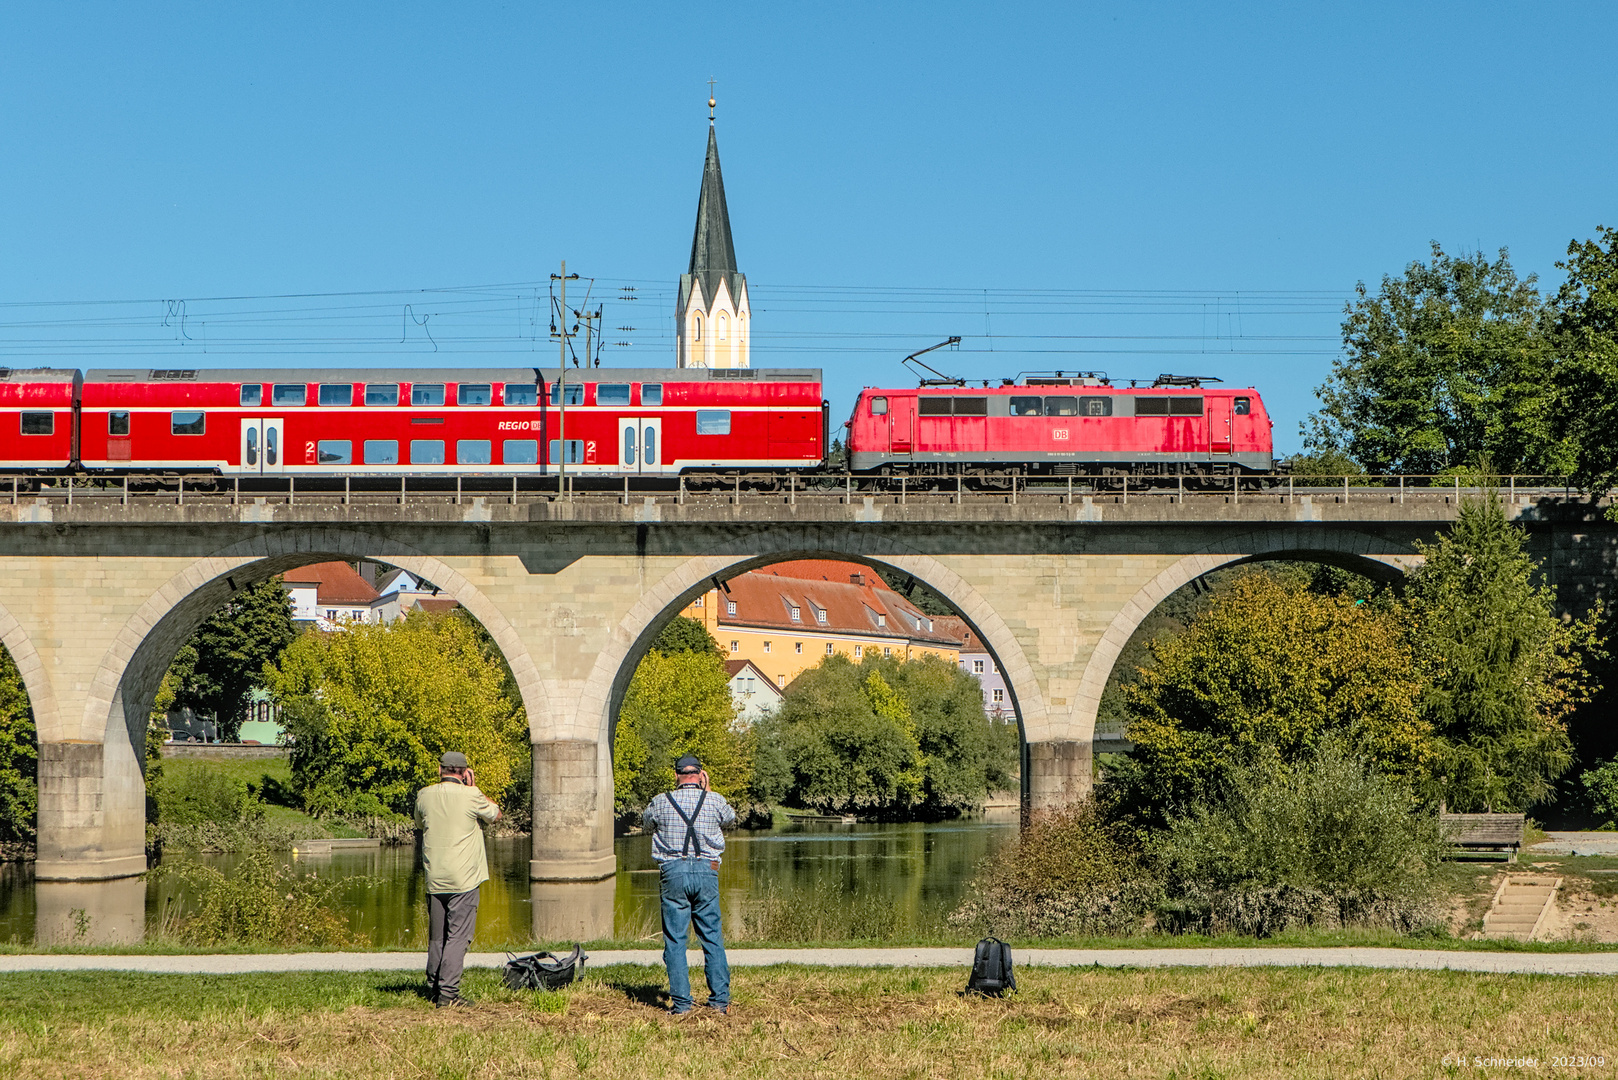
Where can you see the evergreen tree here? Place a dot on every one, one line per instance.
(1501, 671)
(1586, 340)
(19, 757)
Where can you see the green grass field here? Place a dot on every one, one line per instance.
(273, 778)
(796, 1022)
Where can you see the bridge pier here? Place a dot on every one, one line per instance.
(92, 812)
(572, 830)
(1055, 773)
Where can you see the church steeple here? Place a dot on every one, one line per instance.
(712, 311)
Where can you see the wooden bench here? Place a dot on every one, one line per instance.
(1484, 835)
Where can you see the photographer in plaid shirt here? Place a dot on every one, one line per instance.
(687, 841)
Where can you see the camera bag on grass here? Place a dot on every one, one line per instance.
(543, 971)
(991, 969)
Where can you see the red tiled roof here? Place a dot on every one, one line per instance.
(956, 627)
(335, 583)
(764, 598)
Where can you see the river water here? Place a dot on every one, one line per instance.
(817, 879)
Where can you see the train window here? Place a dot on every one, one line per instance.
(334, 452)
(522, 394)
(426, 451)
(382, 451)
(473, 452)
(879, 406)
(429, 394)
(1151, 406)
(253, 394)
(575, 394)
(933, 406)
(1095, 406)
(39, 423)
(612, 394)
(335, 394)
(1244, 406)
(183, 423)
(118, 422)
(289, 393)
(1061, 406)
(474, 394)
(520, 452)
(575, 451)
(384, 394)
(1026, 406)
(651, 394)
(1185, 406)
(971, 406)
(713, 421)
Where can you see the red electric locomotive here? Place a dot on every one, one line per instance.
(448, 422)
(1059, 424)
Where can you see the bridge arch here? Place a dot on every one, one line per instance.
(1359, 552)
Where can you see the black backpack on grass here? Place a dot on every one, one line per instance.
(543, 971)
(991, 969)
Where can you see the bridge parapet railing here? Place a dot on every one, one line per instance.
(966, 486)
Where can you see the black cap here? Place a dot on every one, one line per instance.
(453, 759)
(688, 764)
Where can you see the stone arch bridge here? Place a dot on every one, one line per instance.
(97, 595)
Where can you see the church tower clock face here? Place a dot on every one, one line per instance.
(712, 316)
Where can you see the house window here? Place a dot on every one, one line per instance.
(977, 667)
(180, 423)
(697, 602)
(797, 646)
(429, 394)
(522, 394)
(336, 394)
(828, 648)
(781, 681)
(735, 646)
(886, 651)
(118, 423)
(730, 608)
(474, 394)
(720, 322)
(253, 395)
(881, 620)
(820, 616)
(999, 695)
(696, 328)
(383, 394)
(41, 423)
(289, 394)
(859, 651)
(766, 646)
(797, 615)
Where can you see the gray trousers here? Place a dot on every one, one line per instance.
(451, 918)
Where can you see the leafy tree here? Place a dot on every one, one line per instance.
(1444, 365)
(1264, 675)
(224, 661)
(19, 757)
(883, 737)
(686, 635)
(371, 708)
(1501, 671)
(677, 703)
(1586, 339)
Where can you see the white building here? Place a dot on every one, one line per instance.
(752, 692)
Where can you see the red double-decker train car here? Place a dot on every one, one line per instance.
(37, 418)
(1062, 425)
(442, 422)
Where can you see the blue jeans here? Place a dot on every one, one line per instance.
(691, 898)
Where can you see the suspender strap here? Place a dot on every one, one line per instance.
(690, 820)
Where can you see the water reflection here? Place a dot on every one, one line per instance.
(90, 912)
(913, 873)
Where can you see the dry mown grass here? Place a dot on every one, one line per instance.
(791, 1022)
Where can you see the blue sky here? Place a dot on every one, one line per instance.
(1136, 188)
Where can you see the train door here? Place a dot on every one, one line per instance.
(642, 440)
(262, 446)
(1219, 425)
(902, 423)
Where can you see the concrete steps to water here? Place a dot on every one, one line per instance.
(1521, 907)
